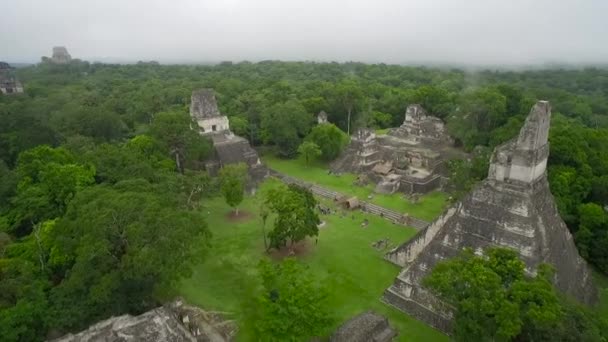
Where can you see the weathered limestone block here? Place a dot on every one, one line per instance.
(366, 327)
(175, 322)
(322, 118)
(8, 83)
(512, 208)
(60, 55)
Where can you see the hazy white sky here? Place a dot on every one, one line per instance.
(392, 31)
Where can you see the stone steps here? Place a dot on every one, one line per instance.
(391, 215)
(385, 335)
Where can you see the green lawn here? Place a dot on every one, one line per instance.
(355, 272)
(427, 208)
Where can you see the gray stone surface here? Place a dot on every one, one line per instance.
(228, 148)
(366, 327)
(8, 82)
(60, 55)
(418, 151)
(203, 104)
(322, 118)
(512, 208)
(175, 322)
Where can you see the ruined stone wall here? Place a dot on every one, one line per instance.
(203, 104)
(408, 252)
(214, 124)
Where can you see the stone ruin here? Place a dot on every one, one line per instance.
(228, 147)
(60, 55)
(322, 118)
(176, 322)
(512, 208)
(366, 327)
(410, 158)
(419, 126)
(8, 83)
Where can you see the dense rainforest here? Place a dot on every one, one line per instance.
(88, 145)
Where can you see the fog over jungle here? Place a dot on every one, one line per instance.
(469, 32)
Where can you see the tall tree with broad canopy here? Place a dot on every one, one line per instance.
(330, 139)
(296, 217)
(119, 249)
(495, 300)
(233, 179)
(48, 178)
(292, 304)
(349, 94)
(285, 125)
(174, 130)
(309, 150)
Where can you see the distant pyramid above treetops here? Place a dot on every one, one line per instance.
(513, 208)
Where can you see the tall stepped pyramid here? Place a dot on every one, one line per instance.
(512, 208)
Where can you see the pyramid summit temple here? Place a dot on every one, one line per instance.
(513, 208)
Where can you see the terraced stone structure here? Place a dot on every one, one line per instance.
(512, 208)
(60, 55)
(368, 326)
(175, 322)
(415, 154)
(8, 82)
(228, 147)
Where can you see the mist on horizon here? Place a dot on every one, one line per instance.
(473, 32)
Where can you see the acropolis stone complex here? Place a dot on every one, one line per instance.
(410, 158)
(512, 208)
(228, 147)
(8, 83)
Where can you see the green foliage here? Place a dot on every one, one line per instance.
(233, 179)
(491, 297)
(285, 125)
(48, 179)
(330, 139)
(309, 150)
(350, 95)
(464, 174)
(437, 101)
(183, 144)
(116, 249)
(239, 125)
(479, 113)
(296, 216)
(292, 305)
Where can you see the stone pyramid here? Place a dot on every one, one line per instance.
(512, 208)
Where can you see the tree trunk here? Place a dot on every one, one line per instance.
(348, 124)
(178, 164)
(236, 210)
(264, 235)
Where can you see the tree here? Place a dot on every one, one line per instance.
(284, 125)
(349, 93)
(296, 217)
(309, 150)
(233, 179)
(119, 249)
(330, 139)
(292, 305)
(434, 100)
(48, 178)
(492, 297)
(184, 144)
